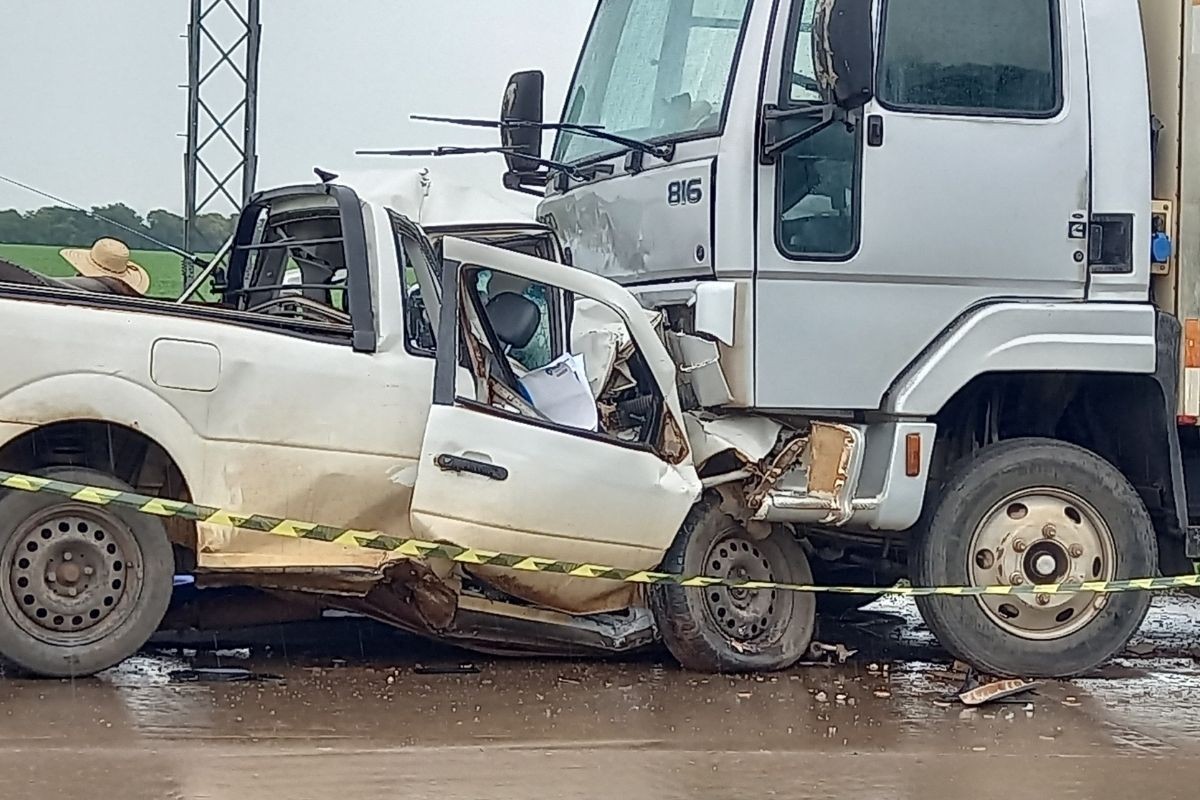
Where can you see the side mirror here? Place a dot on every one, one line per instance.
(843, 42)
(523, 102)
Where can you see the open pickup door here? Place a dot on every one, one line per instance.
(496, 473)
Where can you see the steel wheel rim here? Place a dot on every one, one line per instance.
(745, 616)
(71, 575)
(1039, 536)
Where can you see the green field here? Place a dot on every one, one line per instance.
(166, 279)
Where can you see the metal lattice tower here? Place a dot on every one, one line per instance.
(224, 38)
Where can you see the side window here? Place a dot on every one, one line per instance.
(295, 269)
(974, 57)
(601, 384)
(801, 87)
(817, 184)
(540, 349)
(418, 328)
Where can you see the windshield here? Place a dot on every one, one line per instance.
(653, 70)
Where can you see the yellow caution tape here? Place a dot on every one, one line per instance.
(419, 549)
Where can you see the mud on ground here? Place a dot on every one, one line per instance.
(351, 711)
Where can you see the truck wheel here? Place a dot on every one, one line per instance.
(1035, 511)
(733, 630)
(82, 587)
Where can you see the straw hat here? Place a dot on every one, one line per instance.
(108, 258)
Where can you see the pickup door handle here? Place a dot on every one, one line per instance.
(459, 464)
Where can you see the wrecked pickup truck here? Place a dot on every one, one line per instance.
(359, 370)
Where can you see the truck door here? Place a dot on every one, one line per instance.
(965, 179)
(584, 462)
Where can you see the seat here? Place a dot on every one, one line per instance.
(514, 319)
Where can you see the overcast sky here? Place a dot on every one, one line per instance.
(91, 107)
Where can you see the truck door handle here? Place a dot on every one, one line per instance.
(875, 131)
(451, 463)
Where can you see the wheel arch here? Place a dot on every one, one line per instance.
(112, 425)
(1128, 419)
(1011, 338)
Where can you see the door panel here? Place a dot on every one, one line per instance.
(493, 480)
(564, 497)
(950, 207)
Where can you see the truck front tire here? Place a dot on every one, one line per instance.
(1035, 512)
(82, 587)
(733, 630)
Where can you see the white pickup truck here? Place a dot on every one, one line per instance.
(311, 389)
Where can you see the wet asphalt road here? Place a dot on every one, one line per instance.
(379, 726)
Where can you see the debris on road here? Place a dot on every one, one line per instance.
(446, 669)
(218, 675)
(819, 652)
(995, 691)
(1140, 648)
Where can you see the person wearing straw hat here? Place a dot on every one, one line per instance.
(108, 262)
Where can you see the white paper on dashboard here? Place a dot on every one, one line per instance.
(561, 393)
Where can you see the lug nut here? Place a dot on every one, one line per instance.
(1076, 550)
(67, 556)
(1016, 579)
(71, 590)
(1048, 531)
(88, 571)
(51, 577)
(1043, 599)
(1019, 545)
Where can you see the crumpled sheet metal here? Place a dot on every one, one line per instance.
(603, 339)
(752, 438)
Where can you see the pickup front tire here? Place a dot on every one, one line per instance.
(733, 630)
(1035, 512)
(82, 587)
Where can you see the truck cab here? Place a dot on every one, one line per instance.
(944, 225)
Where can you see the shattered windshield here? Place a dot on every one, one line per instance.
(653, 70)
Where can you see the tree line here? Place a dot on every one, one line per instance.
(67, 227)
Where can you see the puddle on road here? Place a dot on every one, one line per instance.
(876, 726)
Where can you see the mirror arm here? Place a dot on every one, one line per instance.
(531, 182)
(772, 115)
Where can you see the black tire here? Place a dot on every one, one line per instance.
(117, 564)
(941, 557)
(702, 636)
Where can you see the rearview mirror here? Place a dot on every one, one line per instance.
(843, 43)
(523, 103)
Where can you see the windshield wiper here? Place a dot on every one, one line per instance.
(666, 152)
(579, 174)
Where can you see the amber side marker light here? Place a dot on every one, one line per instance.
(912, 455)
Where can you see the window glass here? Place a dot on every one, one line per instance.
(970, 56)
(817, 203)
(540, 350)
(601, 383)
(653, 69)
(802, 86)
(817, 177)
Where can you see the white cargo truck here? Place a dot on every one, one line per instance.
(968, 232)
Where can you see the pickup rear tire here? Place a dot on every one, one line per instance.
(733, 630)
(1030, 512)
(82, 587)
